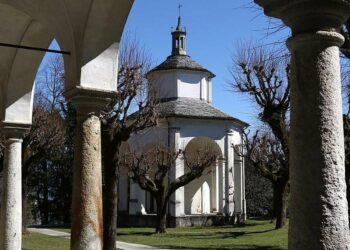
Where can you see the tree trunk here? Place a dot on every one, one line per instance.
(110, 149)
(280, 197)
(161, 214)
(110, 202)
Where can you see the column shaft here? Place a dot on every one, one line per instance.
(11, 207)
(87, 223)
(177, 203)
(318, 205)
(229, 208)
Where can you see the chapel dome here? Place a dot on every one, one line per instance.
(184, 62)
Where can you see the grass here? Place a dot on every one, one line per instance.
(254, 235)
(34, 241)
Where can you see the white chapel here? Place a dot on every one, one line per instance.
(187, 120)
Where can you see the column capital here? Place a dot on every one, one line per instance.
(308, 15)
(319, 39)
(89, 100)
(14, 130)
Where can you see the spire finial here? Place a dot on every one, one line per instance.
(179, 18)
(179, 37)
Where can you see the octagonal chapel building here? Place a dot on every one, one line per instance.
(187, 121)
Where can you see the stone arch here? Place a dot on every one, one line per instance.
(90, 31)
(201, 195)
(92, 62)
(19, 67)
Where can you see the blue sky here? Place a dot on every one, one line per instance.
(214, 28)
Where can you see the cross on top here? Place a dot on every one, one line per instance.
(180, 9)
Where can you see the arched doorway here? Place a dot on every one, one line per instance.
(202, 194)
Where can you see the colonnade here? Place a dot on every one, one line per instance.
(318, 206)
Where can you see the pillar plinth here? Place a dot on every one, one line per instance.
(87, 220)
(11, 200)
(318, 205)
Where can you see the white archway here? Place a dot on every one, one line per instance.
(201, 195)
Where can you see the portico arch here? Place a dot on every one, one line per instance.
(201, 195)
(90, 31)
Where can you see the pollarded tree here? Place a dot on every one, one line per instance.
(264, 153)
(151, 170)
(265, 78)
(133, 94)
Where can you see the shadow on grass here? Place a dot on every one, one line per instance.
(236, 247)
(194, 235)
(137, 233)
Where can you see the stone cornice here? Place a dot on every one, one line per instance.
(308, 15)
(87, 100)
(14, 130)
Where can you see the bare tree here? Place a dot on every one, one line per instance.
(133, 95)
(47, 136)
(264, 76)
(151, 169)
(264, 153)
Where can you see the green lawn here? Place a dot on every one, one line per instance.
(254, 235)
(33, 241)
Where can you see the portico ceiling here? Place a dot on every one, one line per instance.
(85, 28)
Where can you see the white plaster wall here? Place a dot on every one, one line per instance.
(102, 72)
(164, 83)
(156, 135)
(182, 83)
(216, 130)
(137, 143)
(194, 193)
(198, 195)
(189, 84)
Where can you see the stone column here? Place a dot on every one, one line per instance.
(238, 184)
(244, 203)
(177, 203)
(214, 189)
(87, 222)
(229, 208)
(11, 200)
(221, 187)
(318, 205)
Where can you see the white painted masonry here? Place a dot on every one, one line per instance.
(91, 34)
(180, 79)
